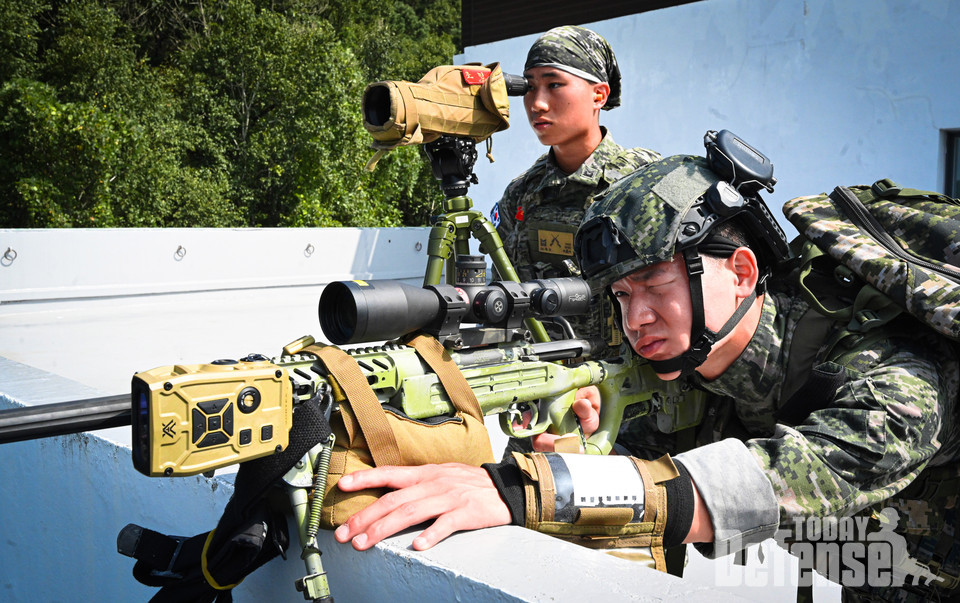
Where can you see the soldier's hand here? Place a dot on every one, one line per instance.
(586, 406)
(459, 497)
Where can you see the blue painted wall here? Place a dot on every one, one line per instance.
(833, 91)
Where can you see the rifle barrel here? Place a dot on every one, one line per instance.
(76, 416)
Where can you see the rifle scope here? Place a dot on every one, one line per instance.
(377, 310)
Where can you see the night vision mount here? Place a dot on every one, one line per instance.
(743, 171)
(746, 168)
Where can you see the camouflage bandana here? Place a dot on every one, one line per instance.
(580, 52)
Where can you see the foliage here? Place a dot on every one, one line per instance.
(209, 113)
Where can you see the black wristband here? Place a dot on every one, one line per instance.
(680, 504)
(507, 478)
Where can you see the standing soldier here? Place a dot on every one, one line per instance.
(573, 74)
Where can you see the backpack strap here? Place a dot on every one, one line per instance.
(834, 291)
(855, 210)
(886, 188)
(814, 394)
(811, 331)
(815, 370)
(844, 314)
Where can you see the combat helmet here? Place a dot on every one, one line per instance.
(676, 206)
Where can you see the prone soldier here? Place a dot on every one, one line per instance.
(692, 266)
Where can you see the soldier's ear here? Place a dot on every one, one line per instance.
(746, 270)
(601, 92)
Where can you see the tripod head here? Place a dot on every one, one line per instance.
(452, 159)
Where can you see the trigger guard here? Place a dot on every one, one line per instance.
(507, 424)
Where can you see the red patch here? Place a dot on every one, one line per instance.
(475, 77)
(519, 216)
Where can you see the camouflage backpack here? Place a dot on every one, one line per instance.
(869, 254)
(865, 256)
(879, 251)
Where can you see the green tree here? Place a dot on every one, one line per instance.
(96, 142)
(19, 33)
(212, 113)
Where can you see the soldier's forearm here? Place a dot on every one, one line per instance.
(701, 529)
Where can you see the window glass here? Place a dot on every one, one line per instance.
(952, 185)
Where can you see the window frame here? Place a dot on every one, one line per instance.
(951, 179)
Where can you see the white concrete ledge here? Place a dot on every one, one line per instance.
(57, 263)
(65, 499)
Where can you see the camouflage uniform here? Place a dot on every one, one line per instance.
(541, 209)
(887, 434)
(893, 418)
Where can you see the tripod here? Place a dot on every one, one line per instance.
(452, 160)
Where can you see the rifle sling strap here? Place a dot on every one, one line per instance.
(366, 407)
(454, 383)
(363, 402)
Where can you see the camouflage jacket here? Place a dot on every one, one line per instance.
(893, 417)
(541, 209)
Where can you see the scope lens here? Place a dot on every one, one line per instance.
(374, 310)
(338, 312)
(376, 105)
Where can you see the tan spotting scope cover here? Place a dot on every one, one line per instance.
(458, 100)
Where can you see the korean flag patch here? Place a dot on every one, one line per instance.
(495, 215)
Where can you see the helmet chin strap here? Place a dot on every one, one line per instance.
(702, 338)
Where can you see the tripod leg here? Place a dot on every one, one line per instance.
(439, 249)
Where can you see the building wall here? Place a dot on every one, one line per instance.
(832, 91)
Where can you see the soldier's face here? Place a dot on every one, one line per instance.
(561, 107)
(656, 308)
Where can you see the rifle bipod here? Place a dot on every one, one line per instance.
(311, 472)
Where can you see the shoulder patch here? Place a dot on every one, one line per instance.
(495, 215)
